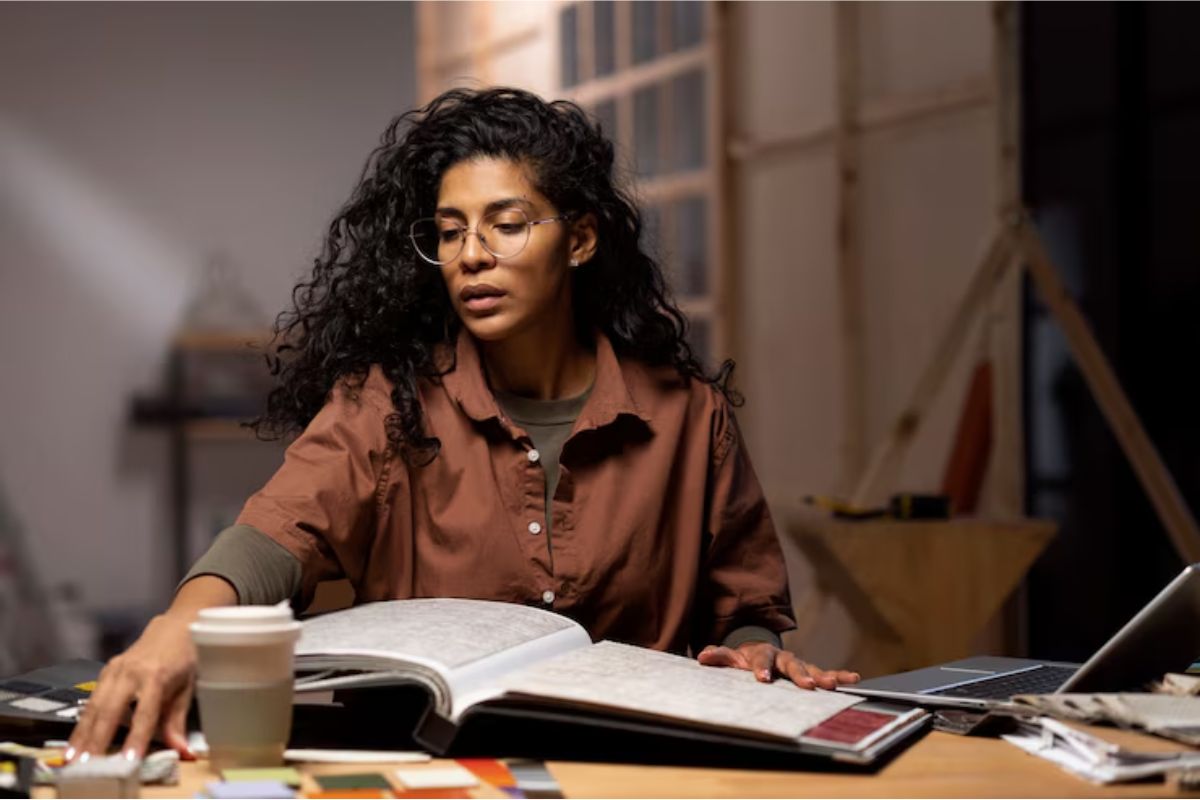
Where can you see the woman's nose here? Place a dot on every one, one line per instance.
(475, 256)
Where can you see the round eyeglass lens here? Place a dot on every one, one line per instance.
(502, 233)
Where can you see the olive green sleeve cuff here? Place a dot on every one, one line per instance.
(752, 633)
(261, 570)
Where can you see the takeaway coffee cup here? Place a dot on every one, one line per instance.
(244, 682)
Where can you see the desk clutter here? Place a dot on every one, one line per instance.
(464, 778)
(394, 775)
(1082, 732)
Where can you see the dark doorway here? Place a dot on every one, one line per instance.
(1111, 170)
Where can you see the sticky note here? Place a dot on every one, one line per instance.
(444, 778)
(360, 780)
(489, 770)
(249, 790)
(286, 775)
(534, 780)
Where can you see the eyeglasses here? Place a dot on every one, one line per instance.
(502, 233)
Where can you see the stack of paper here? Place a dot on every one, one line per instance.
(1094, 758)
(1172, 717)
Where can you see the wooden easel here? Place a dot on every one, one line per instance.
(1018, 241)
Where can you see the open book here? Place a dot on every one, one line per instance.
(476, 658)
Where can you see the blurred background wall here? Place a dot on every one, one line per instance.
(820, 180)
(137, 141)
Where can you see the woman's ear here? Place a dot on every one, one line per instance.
(583, 240)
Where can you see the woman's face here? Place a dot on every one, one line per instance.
(499, 297)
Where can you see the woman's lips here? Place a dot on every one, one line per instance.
(485, 303)
(481, 297)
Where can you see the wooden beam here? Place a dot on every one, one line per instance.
(849, 257)
(904, 109)
(888, 453)
(873, 115)
(1004, 330)
(1172, 509)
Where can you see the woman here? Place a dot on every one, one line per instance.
(497, 401)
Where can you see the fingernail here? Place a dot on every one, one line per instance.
(69, 754)
(764, 674)
(84, 756)
(130, 755)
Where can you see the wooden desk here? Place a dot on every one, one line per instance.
(939, 765)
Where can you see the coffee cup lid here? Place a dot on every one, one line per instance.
(243, 624)
(225, 616)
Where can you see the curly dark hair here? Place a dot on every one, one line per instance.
(371, 300)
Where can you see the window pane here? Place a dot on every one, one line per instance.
(651, 240)
(699, 336)
(605, 36)
(568, 35)
(646, 130)
(645, 30)
(687, 23)
(691, 246)
(606, 115)
(689, 121)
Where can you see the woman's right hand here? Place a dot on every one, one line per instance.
(157, 674)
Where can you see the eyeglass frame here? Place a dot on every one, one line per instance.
(482, 241)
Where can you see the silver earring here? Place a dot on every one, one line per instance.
(573, 263)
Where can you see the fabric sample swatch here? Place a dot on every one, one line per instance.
(286, 775)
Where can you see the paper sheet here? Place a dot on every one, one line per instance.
(449, 632)
(650, 682)
(1093, 758)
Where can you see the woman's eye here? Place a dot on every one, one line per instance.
(509, 228)
(450, 234)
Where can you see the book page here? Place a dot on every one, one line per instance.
(447, 633)
(647, 682)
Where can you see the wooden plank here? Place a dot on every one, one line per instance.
(849, 251)
(1153, 474)
(722, 282)
(875, 115)
(906, 109)
(887, 454)
(1007, 468)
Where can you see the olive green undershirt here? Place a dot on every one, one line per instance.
(549, 424)
(263, 572)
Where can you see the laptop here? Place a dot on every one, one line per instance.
(1163, 637)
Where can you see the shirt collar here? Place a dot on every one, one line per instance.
(609, 399)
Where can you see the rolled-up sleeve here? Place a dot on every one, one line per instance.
(321, 503)
(743, 576)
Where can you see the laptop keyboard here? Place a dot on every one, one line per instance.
(1042, 679)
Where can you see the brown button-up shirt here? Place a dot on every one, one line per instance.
(662, 536)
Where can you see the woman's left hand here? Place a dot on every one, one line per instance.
(767, 661)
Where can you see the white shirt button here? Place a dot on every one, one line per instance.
(547, 597)
(533, 456)
(535, 527)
